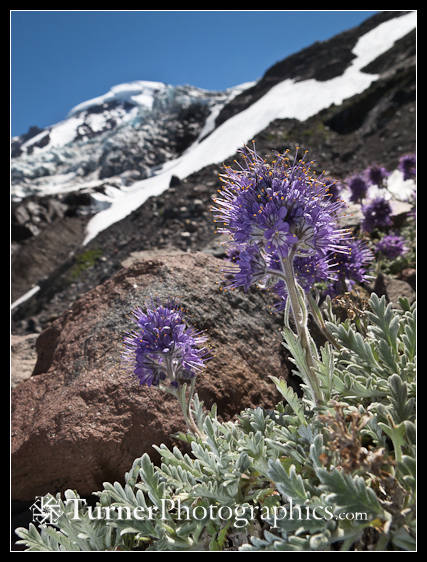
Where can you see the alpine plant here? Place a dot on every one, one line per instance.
(391, 246)
(164, 351)
(408, 166)
(282, 221)
(376, 215)
(274, 211)
(350, 267)
(377, 175)
(358, 188)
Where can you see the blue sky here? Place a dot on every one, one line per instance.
(59, 59)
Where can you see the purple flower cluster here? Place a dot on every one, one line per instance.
(308, 271)
(376, 175)
(163, 347)
(391, 246)
(272, 210)
(376, 214)
(349, 267)
(252, 268)
(408, 166)
(247, 267)
(333, 189)
(358, 188)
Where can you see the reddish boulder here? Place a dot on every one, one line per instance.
(81, 420)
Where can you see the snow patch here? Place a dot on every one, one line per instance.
(25, 297)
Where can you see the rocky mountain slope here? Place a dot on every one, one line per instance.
(374, 125)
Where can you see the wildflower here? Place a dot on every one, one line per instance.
(358, 188)
(308, 271)
(246, 268)
(349, 267)
(281, 222)
(407, 165)
(333, 188)
(377, 175)
(274, 209)
(163, 348)
(376, 214)
(391, 246)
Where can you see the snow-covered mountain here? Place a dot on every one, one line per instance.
(348, 97)
(125, 134)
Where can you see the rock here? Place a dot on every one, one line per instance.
(77, 199)
(393, 289)
(409, 275)
(396, 288)
(20, 215)
(82, 420)
(200, 189)
(22, 232)
(23, 357)
(217, 246)
(198, 205)
(352, 217)
(174, 181)
(45, 347)
(33, 130)
(33, 214)
(54, 209)
(40, 255)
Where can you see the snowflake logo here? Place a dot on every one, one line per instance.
(46, 509)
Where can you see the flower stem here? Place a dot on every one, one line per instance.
(185, 402)
(299, 311)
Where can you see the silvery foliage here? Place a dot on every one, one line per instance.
(356, 455)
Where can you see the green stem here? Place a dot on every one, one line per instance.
(318, 318)
(299, 312)
(186, 408)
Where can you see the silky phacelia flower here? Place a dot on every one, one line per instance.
(247, 267)
(333, 188)
(376, 214)
(163, 348)
(349, 267)
(376, 175)
(308, 271)
(408, 166)
(274, 211)
(391, 246)
(358, 188)
(277, 208)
